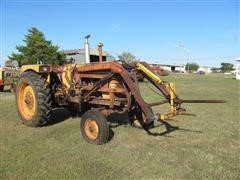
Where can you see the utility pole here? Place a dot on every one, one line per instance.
(181, 52)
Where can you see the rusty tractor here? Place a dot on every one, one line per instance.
(96, 90)
(8, 77)
(1, 79)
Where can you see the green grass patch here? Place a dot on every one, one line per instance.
(206, 146)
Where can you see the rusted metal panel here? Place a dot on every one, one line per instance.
(95, 67)
(115, 67)
(57, 68)
(97, 76)
(104, 102)
(106, 89)
(135, 91)
(118, 90)
(100, 45)
(98, 85)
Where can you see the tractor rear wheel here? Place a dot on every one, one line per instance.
(94, 127)
(33, 99)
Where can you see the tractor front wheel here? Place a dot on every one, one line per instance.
(94, 127)
(33, 99)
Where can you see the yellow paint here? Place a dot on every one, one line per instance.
(26, 101)
(67, 75)
(148, 72)
(172, 97)
(173, 110)
(48, 79)
(91, 129)
(169, 86)
(1, 73)
(113, 84)
(35, 67)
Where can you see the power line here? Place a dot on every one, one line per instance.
(194, 58)
(181, 52)
(175, 58)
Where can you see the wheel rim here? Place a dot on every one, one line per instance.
(91, 129)
(26, 101)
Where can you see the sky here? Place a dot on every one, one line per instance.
(151, 30)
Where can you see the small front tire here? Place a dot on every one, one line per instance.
(94, 127)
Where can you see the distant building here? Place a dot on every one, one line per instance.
(79, 55)
(238, 70)
(9, 63)
(204, 69)
(173, 67)
(215, 70)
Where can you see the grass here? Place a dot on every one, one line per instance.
(206, 146)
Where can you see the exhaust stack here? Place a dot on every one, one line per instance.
(87, 50)
(100, 51)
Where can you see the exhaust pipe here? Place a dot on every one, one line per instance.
(100, 45)
(87, 50)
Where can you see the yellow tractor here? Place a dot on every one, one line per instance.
(96, 90)
(8, 77)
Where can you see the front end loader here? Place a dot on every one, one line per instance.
(94, 90)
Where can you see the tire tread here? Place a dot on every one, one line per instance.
(43, 97)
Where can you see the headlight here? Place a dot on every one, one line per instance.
(44, 68)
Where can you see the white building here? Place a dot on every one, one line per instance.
(205, 69)
(173, 67)
(238, 70)
(79, 55)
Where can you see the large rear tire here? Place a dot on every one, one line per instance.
(33, 99)
(94, 127)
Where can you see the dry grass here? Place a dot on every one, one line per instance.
(205, 146)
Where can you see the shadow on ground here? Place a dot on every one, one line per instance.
(7, 91)
(61, 114)
(117, 119)
(58, 115)
(169, 128)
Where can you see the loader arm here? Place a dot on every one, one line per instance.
(165, 88)
(148, 72)
(168, 89)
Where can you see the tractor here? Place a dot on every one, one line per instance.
(95, 90)
(9, 75)
(1, 79)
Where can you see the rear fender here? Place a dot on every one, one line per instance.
(41, 69)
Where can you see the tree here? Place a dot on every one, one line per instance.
(37, 50)
(226, 67)
(127, 56)
(191, 66)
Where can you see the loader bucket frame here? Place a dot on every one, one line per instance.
(114, 68)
